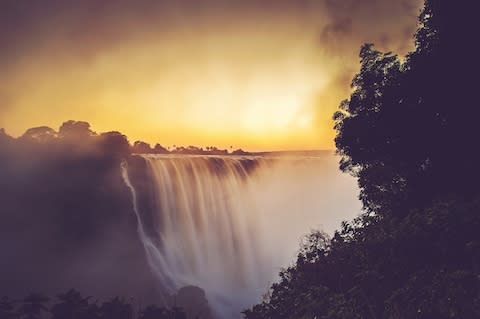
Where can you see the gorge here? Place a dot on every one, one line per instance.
(228, 223)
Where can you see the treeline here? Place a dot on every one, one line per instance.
(140, 147)
(72, 305)
(78, 133)
(409, 133)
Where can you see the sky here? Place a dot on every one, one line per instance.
(257, 75)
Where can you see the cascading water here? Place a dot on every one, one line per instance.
(214, 223)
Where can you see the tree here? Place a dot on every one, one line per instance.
(7, 308)
(73, 306)
(177, 313)
(116, 308)
(159, 149)
(140, 147)
(76, 130)
(154, 312)
(40, 134)
(193, 301)
(413, 252)
(115, 143)
(33, 306)
(403, 128)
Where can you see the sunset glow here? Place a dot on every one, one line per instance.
(250, 75)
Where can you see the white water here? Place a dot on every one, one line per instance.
(227, 229)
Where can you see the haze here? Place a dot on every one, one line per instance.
(260, 75)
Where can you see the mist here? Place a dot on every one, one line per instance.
(72, 218)
(228, 224)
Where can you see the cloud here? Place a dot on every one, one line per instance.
(85, 27)
(154, 63)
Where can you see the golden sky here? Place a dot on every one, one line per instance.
(260, 75)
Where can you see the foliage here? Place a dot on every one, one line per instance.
(422, 266)
(408, 129)
(408, 133)
(72, 305)
(116, 308)
(154, 312)
(33, 306)
(7, 308)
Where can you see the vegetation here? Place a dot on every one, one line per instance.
(408, 133)
(76, 134)
(140, 147)
(72, 305)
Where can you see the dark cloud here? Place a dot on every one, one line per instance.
(84, 27)
(54, 30)
(81, 54)
(389, 24)
(336, 31)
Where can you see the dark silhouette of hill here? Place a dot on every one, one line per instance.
(67, 221)
(66, 218)
(409, 133)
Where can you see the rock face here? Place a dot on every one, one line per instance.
(67, 222)
(194, 301)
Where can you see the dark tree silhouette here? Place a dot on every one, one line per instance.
(33, 306)
(7, 308)
(154, 312)
(75, 130)
(73, 306)
(177, 313)
(193, 301)
(41, 134)
(114, 143)
(140, 147)
(159, 149)
(116, 308)
(408, 132)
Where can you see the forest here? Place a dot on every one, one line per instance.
(409, 134)
(71, 304)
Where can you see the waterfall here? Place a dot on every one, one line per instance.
(213, 222)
